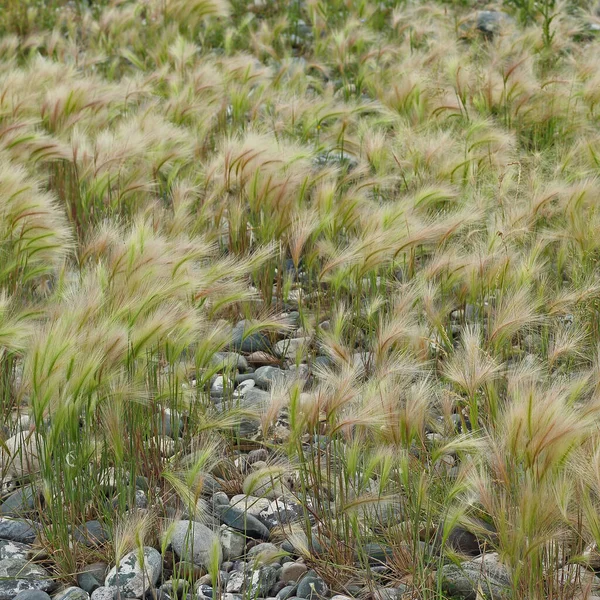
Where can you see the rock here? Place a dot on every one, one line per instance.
(86, 581)
(242, 521)
(169, 423)
(141, 500)
(387, 593)
(484, 572)
(299, 543)
(72, 593)
(290, 348)
(286, 592)
(165, 445)
(20, 501)
(257, 455)
(491, 22)
(265, 553)
(19, 575)
(134, 577)
(259, 359)
(235, 583)
(250, 504)
(268, 483)
(255, 398)
(204, 591)
(255, 583)
(229, 361)
(10, 549)
(466, 542)
(98, 570)
(575, 581)
(32, 595)
(91, 534)
(254, 342)
(218, 386)
(220, 498)
(377, 553)
(311, 586)
(233, 543)
(193, 541)
(266, 377)
(18, 530)
(105, 593)
(261, 581)
(292, 571)
(19, 455)
(243, 387)
(282, 511)
(189, 571)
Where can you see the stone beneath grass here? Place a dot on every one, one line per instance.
(233, 543)
(287, 592)
(134, 577)
(292, 571)
(255, 584)
(105, 593)
(88, 582)
(250, 504)
(229, 361)
(193, 541)
(291, 347)
(10, 549)
(266, 377)
(485, 573)
(464, 541)
(248, 343)
(169, 423)
(268, 483)
(20, 501)
(91, 534)
(72, 593)
(32, 595)
(281, 512)
(18, 530)
(18, 575)
(19, 455)
(242, 521)
(265, 553)
(311, 586)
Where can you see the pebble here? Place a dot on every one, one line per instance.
(242, 521)
(32, 595)
(286, 592)
(105, 593)
(19, 455)
(311, 586)
(281, 511)
(485, 573)
(132, 578)
(195, 542)
(91, 534)
(10, 549)
(18, 530)
(250, 504)
(268, 482)
(233, 543)
(264, 553)
(20, 501)
(292, 571)
(72, 593)
(19, 575)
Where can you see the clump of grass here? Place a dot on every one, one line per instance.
(422, 195)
